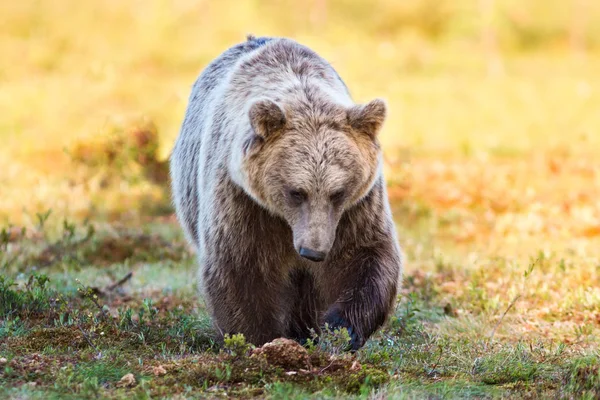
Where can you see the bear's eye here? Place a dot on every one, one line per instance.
(337, 197)
(297, 196)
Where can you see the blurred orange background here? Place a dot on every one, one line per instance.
(493, 120)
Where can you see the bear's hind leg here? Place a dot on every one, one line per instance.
(305, 307)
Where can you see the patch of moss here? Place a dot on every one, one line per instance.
(367, 377)
(242, 375)
(57, 338)
(35, 367)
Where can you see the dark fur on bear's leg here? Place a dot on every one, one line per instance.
(306, 302)
(368, 294)
(232, 298)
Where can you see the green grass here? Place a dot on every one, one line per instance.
(65, 334)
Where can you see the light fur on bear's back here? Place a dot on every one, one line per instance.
(266, 117)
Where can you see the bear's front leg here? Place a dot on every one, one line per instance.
(368, 287)
(247, 300)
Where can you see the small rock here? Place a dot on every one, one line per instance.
(3, 360)
(31, 384)
(285, 353)
(127, 380)
(159, 371)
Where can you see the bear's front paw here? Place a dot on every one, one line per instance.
(335, 320)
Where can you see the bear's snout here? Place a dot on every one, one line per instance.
(312, 255)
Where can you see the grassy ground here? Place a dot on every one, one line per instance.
(81, 308)
(491, 164)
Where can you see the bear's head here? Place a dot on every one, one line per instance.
(309, 166)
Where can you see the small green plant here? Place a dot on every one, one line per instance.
(42, 217)
(32, 299)
(7, 259)
(334, 341)
(12, 326)
(236, 345)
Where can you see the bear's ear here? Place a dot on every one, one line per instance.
(266, 118)
(368, 118)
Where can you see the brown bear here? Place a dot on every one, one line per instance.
(277, 181)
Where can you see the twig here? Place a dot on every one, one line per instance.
(115, 285)
(512, 303)
(86, 337)
(109, 288)
(327, 367)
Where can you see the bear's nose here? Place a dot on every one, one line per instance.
(312, 255)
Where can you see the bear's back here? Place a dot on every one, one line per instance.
(209, 79)
(185, 155)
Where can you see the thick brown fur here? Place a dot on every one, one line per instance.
(274, 160)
